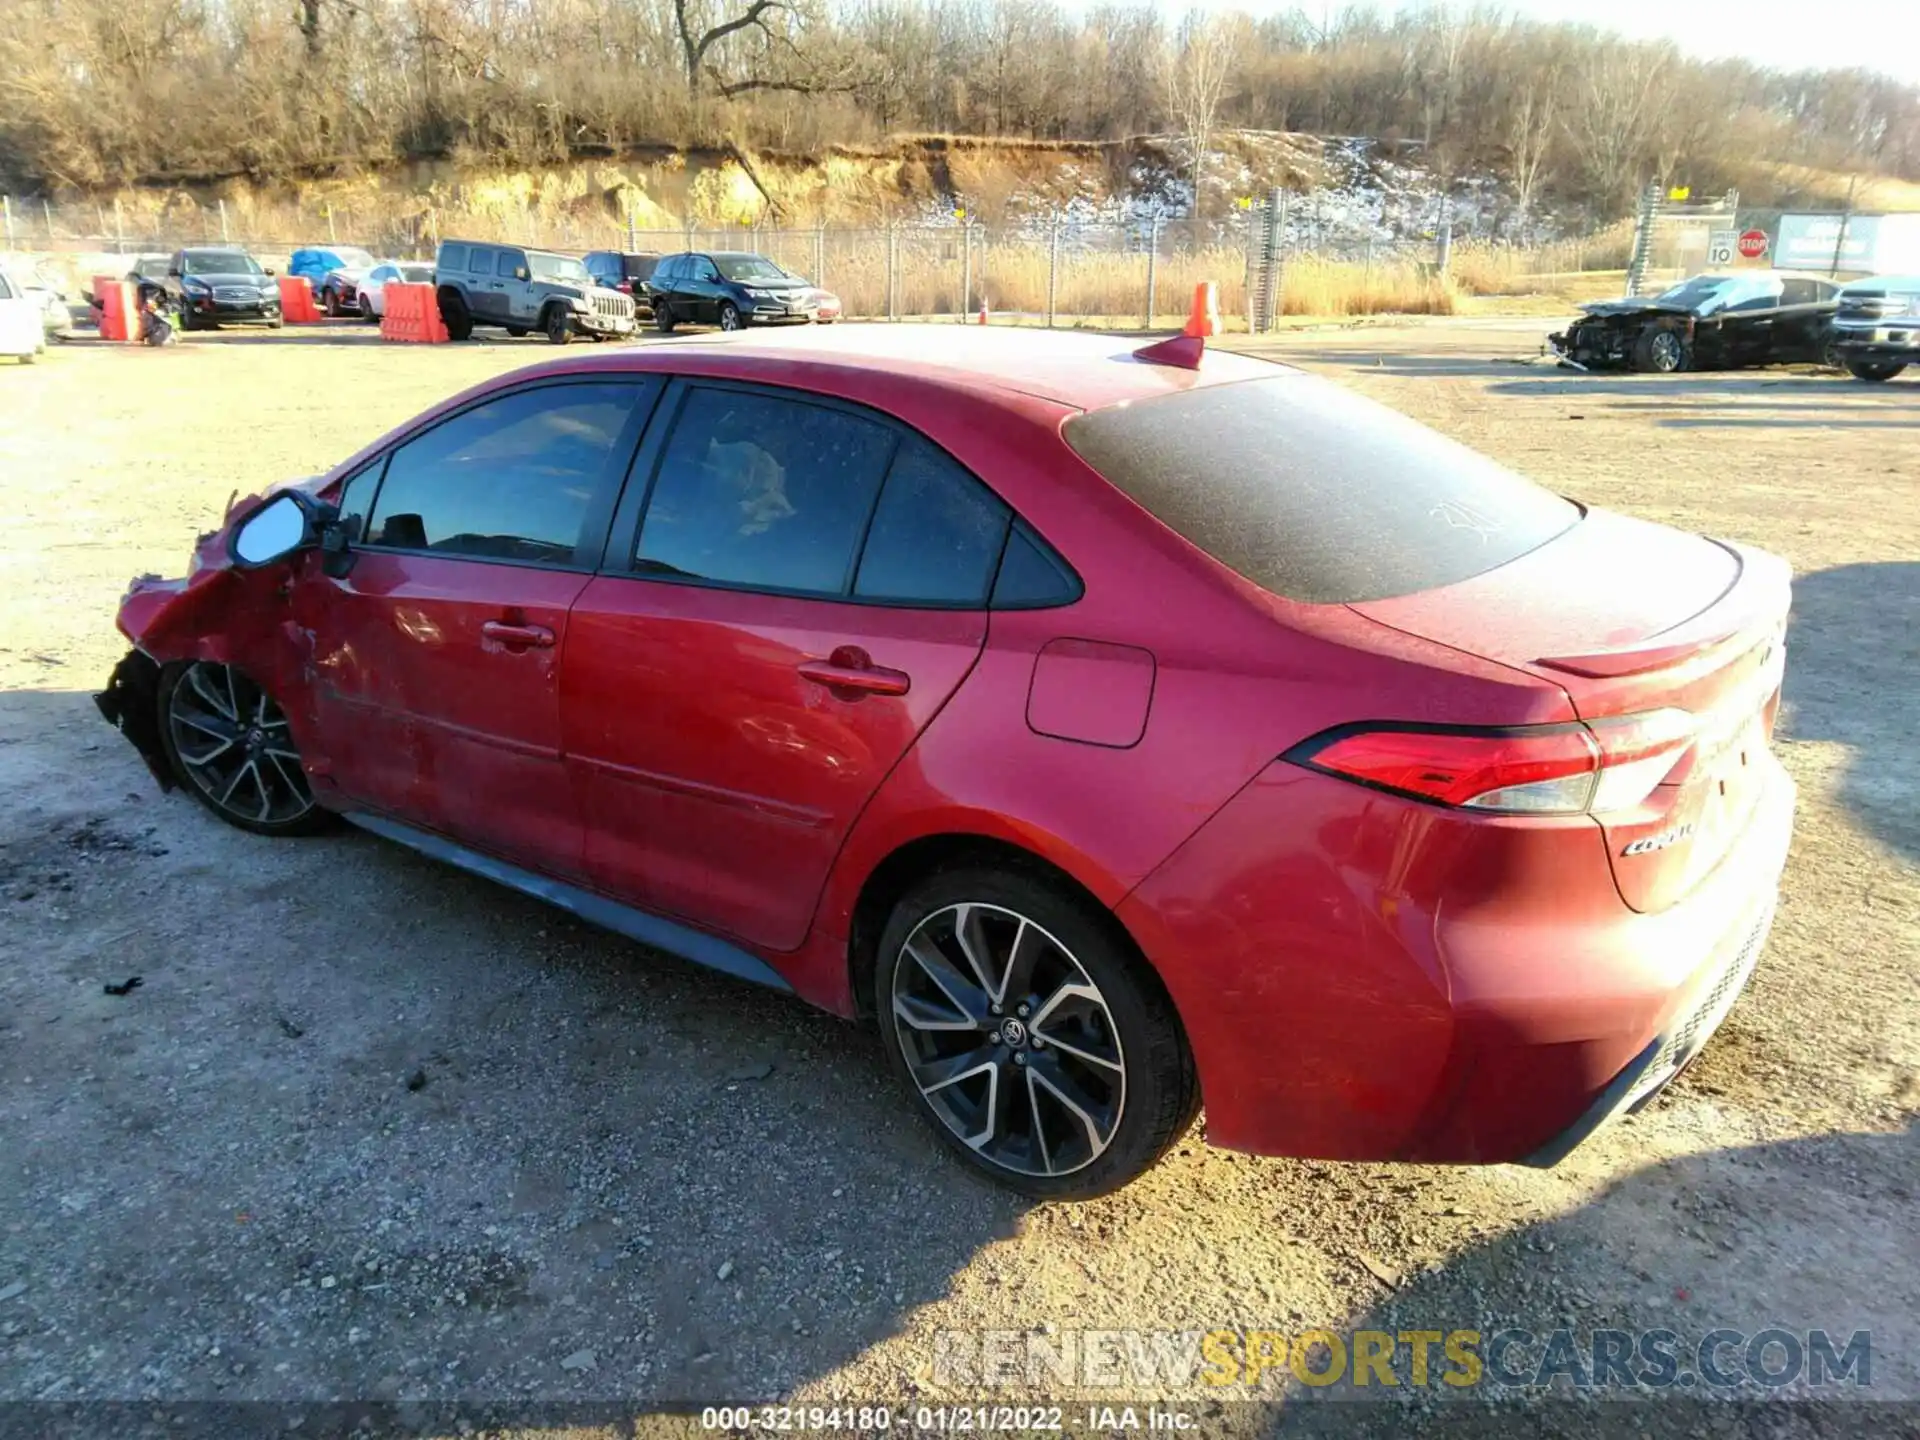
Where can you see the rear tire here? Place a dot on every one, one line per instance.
(455, 316)
(1875, 370)
(1662, 351)
(1067, 1081)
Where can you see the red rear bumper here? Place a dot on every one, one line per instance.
(1367, 978)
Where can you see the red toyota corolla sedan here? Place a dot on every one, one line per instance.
(1117, 733)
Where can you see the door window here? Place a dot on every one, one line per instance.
(507, 264)
(480, 262)
(703, 269)
(763, 492)
(1799, 292)
(936, 536)
(453, 257)
(514, 478)
(6, 288)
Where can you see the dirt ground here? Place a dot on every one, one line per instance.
(371, 1129)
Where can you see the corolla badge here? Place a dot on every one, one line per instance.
(1660, 841)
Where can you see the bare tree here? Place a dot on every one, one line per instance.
(1530, 134)
(775, 61)
(1611, 126)
(1196, 78)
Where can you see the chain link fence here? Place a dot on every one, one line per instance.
(1276, 257)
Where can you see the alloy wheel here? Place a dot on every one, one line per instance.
(729, 318)
(1667, 351)
(1009, 1040)
(235, 747)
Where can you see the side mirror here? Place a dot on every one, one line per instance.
(173, 274)
(521, 273)
(268, 269)
(285, 523)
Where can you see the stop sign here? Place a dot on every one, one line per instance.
(1753, 244)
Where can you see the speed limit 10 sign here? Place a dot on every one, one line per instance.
(1720, 246)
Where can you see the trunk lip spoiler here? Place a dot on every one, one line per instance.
(1760, 595)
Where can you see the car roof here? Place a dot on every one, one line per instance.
(1885, 282)
(1082, 370)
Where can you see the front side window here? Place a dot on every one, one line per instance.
(506, 265)
(764, 492)
(6, 289)
(513, 478)
(480, 262)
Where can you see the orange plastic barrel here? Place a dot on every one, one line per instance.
(119, 308)
(296, 301)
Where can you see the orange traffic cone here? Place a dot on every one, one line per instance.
(1204, 318)
(1187, 348)
(983, 309)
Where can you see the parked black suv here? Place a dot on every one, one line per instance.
(624, 270)
(731, 289)
(214, 287)
(524, 290)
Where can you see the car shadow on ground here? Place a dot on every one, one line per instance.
(372, 1128)
(1799, 1235)
(1853, 648)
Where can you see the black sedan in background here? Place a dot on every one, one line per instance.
(1711, 322)
(733, 289)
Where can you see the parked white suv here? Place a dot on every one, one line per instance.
(1876, 330)
(22, 330)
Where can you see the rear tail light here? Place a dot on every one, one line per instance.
(1570, 769)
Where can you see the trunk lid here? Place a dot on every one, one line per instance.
(1636, 619)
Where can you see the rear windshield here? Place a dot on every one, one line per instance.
(1316, 494)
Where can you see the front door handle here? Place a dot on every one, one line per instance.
(536, 637)
(849, 669)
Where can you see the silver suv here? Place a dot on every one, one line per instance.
(523, 290)
(1876, 330)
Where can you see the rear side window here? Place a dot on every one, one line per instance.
(511, 479)
(936, 536)
(1314, 493)
(763, 492)
(640, 267)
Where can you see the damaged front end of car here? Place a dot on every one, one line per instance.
(229, 609)
(1618, 336)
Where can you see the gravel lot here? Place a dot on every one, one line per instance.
(371, 1129)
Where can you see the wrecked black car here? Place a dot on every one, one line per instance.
(1711, 322)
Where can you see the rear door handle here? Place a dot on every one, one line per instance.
(850, 669)
(536, 637)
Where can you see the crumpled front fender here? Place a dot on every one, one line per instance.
(216, 613)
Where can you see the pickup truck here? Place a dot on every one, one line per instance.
(1876, 330)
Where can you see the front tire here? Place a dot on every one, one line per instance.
(729, 316)
(1040, 1047)
(231, 747)
(663, 320)
(559, 326)
(1875, 370)
(367, 312)
(1663, 351)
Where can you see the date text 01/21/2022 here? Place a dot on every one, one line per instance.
(937, 1419)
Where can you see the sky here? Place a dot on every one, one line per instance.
(1881, 35)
